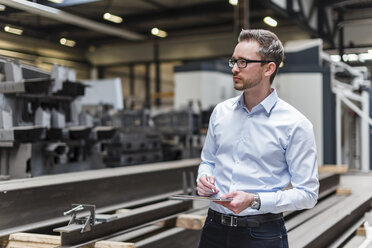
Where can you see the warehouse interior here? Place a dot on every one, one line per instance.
(105, 106)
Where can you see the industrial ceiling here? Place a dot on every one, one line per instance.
(82, 20)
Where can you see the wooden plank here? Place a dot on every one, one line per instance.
(361, 231)
(167, 223)
(190, 221)
(35, 238)
(343, 191)
(4, 241)
(113, 244)
(338, 169)
(32, 240)
(122, 210)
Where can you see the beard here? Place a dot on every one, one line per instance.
(244, 84)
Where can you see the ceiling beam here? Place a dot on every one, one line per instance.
(65, 17)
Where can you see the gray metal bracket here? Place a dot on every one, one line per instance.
(86, 221)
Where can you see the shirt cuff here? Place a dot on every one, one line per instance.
(267, 201)
(201, 175)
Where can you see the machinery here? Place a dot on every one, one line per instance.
(199, 86)
(135, 142)
(42, 128)
(330, 94)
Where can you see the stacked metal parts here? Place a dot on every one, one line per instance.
(42, 130)
(135, 142)
(182, 132)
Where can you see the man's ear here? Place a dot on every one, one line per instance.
(270, 69)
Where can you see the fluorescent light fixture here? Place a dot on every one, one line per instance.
(365, 56)
(13, 30)
(159, 32)
(2, 7)
(270, 21)
(335, 58)
(112, 18)
(370, 51)
(233, 2)
(56, 1)
(67, 42)
(352, 57)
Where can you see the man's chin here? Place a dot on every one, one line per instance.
(238, 87)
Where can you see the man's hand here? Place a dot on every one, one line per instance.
(241, 201)
(206, 186)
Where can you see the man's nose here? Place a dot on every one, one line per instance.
(235, 68)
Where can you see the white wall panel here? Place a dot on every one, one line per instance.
(208, 87)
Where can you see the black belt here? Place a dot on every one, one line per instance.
(242, 221)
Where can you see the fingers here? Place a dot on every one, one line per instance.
(229, 195)
(203, 192)
(206, 186)
(240, 202)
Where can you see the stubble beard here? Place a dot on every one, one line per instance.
(244, 85)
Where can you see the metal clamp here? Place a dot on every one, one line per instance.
(86, 221)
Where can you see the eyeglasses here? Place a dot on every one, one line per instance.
(242, 63)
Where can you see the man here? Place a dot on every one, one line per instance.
(256, 145)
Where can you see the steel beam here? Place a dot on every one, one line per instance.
(328, 183)
(307, 215)
(71, 235)
(174, 237)
(27, 204)
(326, 227)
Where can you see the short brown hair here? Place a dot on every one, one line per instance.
(270, 46)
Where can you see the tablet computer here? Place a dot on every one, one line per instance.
(197, 197)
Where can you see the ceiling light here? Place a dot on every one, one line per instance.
(350, 57)
(2, 7)
(233, 2)
(365, 56)
(13, 30)
(270, 21)
(67, 42)
(370, 51)
(335, 58)
(159, 32)
(112, 18)
(56, 1)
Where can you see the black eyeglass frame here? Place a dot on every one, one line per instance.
(233, 61)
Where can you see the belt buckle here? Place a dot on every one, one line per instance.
(229, 220)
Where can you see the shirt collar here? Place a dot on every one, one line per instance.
(268, 103)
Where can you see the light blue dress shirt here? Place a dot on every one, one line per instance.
(262, 151)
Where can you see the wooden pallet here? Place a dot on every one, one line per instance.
(32, 240)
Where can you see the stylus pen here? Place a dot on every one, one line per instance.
(206, 177)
